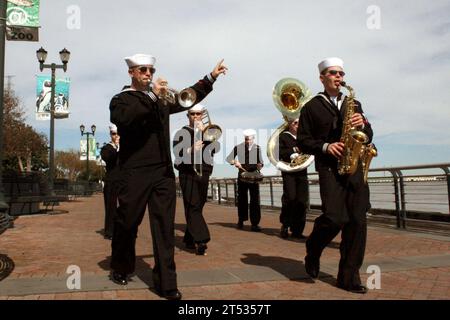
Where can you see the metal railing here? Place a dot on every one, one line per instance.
(407, 191)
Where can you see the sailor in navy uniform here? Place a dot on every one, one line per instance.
(194, 176)
(109, 154)
(345, 199)
(147, 177)
(295, 186)
(249, 159)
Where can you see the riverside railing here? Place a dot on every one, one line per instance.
(405, 191)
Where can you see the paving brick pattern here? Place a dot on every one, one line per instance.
(43, 246)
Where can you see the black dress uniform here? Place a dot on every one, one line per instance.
(249, 160)
(109, 154)
(147, 179)
(194, 180)
(295, 188)
(345, 199)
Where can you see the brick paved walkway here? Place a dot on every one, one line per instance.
(240, 264)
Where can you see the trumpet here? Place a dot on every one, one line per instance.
(186, 97)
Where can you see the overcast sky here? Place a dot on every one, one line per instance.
(400, 71)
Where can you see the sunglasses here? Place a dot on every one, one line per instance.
(195, 113)
(335, 72)
(144, 69)
(113, 133)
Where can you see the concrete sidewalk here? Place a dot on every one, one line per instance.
(36, 254)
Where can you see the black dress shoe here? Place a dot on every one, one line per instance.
(119, 278)
(359, 288)
(201, 249)
(312, 267)
(284, 232)
(174, 294)
(171, 294)
(256, 229)
(240, 224)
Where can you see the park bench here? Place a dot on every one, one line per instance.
(27, 203)
(24, 194)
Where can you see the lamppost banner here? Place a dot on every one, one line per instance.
(92, 149)
(43, 94)
(23, 13)
(22, 20)
(100, 161)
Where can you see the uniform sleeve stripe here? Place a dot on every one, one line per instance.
(210, 78)
(153, 96)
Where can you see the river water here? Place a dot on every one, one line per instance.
(426, 196)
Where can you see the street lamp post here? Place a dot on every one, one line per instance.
(41, 54)
(82, 128)
(4, 218)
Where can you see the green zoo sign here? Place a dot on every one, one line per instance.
(23, 13)
(22, 20)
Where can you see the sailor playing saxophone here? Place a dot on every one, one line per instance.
(345, 197)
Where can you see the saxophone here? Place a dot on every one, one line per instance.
(370, 151)
(354, 140)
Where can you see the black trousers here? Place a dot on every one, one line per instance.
(345, 202)
(243, 208)
(110, 199)
(152, 187)
(195, 191)
(294, 201)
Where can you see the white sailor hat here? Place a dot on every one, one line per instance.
(249, 133)
(330, 62)
(112, 128)
(197, 108)
(140, 59)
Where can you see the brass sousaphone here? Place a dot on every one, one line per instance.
(289, 96)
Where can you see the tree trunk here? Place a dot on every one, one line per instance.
(29, 162)
(19, 161)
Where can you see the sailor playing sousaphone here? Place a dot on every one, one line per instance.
(249, 162)
(294, 200)
(289, 95)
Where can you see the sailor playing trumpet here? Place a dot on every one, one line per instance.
(146, 174)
